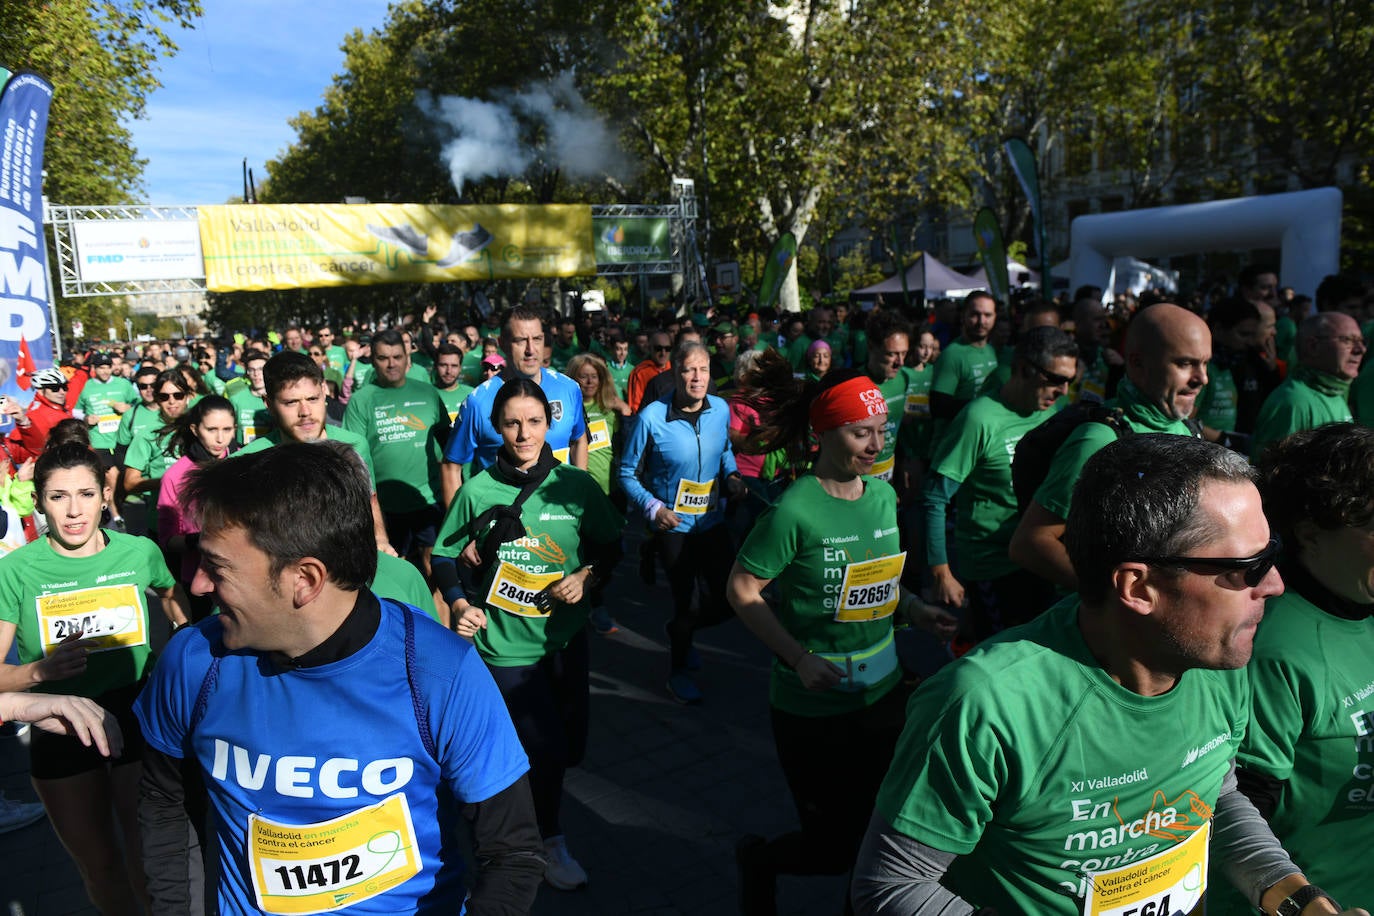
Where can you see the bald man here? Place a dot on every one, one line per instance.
(1330, 349)
(1167, 349)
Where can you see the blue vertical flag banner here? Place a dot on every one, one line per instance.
(987, 234)
(23, 257)
(1023, 165)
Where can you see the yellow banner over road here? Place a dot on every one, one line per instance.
(285, 246)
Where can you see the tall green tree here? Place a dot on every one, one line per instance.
(101, 59)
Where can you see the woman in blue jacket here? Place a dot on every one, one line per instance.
(676, 462)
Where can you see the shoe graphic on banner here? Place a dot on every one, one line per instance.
(407, 237)
(465, 245)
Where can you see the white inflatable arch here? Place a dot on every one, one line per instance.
(1304, 225)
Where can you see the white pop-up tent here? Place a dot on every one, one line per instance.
(927, 275)
(1018, 275)
(1304, 225)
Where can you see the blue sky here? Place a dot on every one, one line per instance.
(240, 75)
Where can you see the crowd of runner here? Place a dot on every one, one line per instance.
(384, 552)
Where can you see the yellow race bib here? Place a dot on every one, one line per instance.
(317, 868)
(1172, 881)
(918, 405)
(514, 590)
(882, 470)
(249, 434)
(871, 589)
(107, 423)
(109, 614)
(600, 435)
(694, 498)
(562, 454)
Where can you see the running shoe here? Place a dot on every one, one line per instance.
(562, 871)
(684, 689)
(14, 815)
(603, 622)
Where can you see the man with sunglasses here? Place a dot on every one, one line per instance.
(973, 462)
(33, 423)
(1330, 349)
(1167, 349)
(658, 360)
(1085, 762)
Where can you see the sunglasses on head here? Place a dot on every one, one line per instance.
(171, 395)
(1253, 569)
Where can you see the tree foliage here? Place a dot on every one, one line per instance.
(101, 59)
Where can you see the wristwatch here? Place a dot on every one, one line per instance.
(1293, 904)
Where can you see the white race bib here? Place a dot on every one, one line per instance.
(1168, 882)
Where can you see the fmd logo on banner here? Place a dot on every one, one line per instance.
(23, 285)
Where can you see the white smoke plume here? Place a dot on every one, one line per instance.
(488, 139)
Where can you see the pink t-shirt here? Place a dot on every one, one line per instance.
(743, 420)
(171, 520)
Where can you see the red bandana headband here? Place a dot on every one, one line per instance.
(848, 402)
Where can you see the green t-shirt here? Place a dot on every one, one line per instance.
(1056, 491)
(336, 357)
(895, 391)
(47, 595)
(562, 355)
(148, 453)
(796, 351)
(620, 375)
(251, 417)
(213, 382)
(1362, 396)
(135, 420)
(337, 433)
(1031, 765)
(401, 581)
(1306, 399)
(96, 400)
(472, 366)
(976, 453)
(914, 438)
(807, 543)
(406, 429)
(453, 399)
(1091, 385)
(564, 518)
(601, 428)
(961, 369)
(1312, 727)
(1216, 402)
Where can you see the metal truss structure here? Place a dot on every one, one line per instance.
(63, 220)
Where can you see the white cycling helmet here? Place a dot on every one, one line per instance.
(49, 378)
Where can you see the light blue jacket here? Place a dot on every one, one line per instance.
(665, 447)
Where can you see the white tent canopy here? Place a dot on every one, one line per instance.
(927, 275)
(1015, 271)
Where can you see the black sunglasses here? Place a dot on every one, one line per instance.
(171, 395)
(1254, 568)
(663, 349)
(1052, 379)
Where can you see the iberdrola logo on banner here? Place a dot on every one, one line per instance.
(24, 107)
